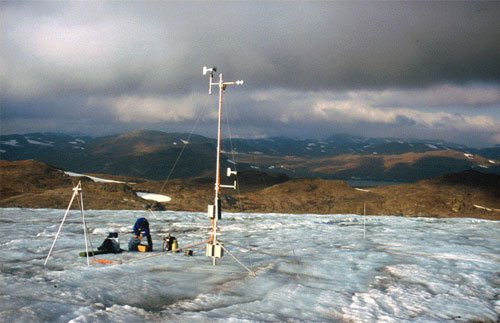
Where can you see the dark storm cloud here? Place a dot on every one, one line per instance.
(157, 47)
(127, 64)
(350, 44)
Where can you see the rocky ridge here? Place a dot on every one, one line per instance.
(467, 194)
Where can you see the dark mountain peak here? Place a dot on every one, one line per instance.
(156, 136)
(141, 133)
(131, 143)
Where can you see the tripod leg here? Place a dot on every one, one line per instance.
(60, 227)
(80, 202)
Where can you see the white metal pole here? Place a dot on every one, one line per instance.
(364, 221)
(60, 226)
(84, 224)
(217, 171)
(219, 143)
(152, 213)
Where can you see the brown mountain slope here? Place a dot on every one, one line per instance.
(28, 176)
(410, 166)
(466, 194)
(470, 194)
(435, 198)
(34, 184)
(137, 143)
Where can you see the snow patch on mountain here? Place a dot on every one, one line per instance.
(12, 142)
(93, 178)
(36, 142)
(154, 197)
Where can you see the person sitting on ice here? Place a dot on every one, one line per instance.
(110, 244)
(141, 226)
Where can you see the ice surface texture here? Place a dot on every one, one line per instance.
(309, 268)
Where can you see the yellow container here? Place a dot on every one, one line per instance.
(142, 248)
(174, 245)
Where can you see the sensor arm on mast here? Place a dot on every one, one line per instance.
(229, 173)
(239, 82)
(221, 84)
(210, 70)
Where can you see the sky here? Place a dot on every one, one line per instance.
(415, 70)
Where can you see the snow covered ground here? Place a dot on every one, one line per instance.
(93, 178)
(309, 268)
(154, 197)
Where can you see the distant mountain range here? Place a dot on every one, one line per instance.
(152, 155)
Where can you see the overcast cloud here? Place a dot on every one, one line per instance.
(400, 69)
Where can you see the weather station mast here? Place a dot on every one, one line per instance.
(215, 248)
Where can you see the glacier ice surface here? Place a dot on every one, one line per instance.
(309, 268)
